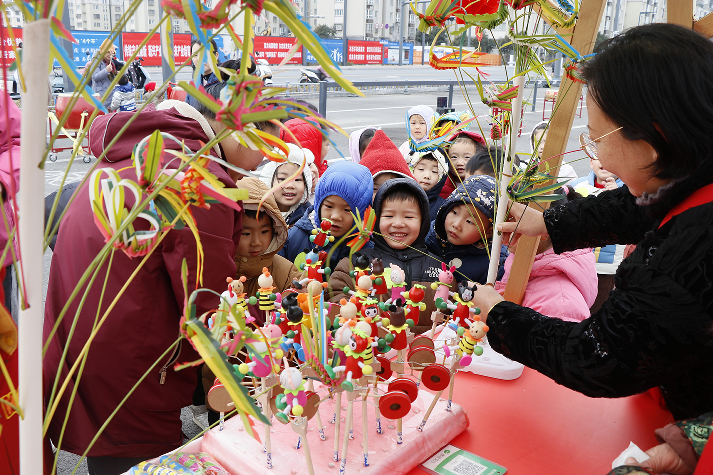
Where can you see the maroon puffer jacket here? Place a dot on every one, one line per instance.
(145, 320)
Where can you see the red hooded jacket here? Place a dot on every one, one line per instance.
(308, 135)
(144, 323)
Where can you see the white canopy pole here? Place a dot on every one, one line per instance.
(35, 63)
(505, 178)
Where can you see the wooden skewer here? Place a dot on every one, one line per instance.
(456, 359)
(378, 411)
(299, 425)
(345, 444)
(320, 427)
(338, 419)
(365, 432)
(267, 411)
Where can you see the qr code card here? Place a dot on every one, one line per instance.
(451, 460)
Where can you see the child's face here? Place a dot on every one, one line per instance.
(418, 126)
(540, 137)
(290, 194)
(600, 172)
(380, 180)
(338, 211)
(325, 147)
(426, 173)
(256, 237)
(400, 222)
(315, 175)
(465, 224)
(459, 154)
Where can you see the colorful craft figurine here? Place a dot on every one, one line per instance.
(445, 279)
(463, 308)
(265, 298)
(398, 279)
(414, 302)
(398, 325)
(357, 345)
(378, 278)
(313, 264)
(262, 355)
(361, 266)
(293, 400)
(321, 236)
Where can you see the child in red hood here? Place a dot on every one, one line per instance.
(464, 145)
(384, 160)
(309, 135)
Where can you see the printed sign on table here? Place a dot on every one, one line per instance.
(365, 52)
(275, 48)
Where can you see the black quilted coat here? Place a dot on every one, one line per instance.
(656, 328)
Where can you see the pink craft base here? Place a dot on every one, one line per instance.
(241, 454)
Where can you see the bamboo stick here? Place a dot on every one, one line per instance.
(31, 231)
(345, 444)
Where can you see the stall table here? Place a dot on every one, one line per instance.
(532, 425)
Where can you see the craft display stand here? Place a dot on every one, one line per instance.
(241, 454)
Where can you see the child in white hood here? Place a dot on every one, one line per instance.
(419, 121)
(537, 143)
(293, 199)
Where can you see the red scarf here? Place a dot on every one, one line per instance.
(699, 197)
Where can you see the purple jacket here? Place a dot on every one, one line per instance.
(145, 320)
(10, 117)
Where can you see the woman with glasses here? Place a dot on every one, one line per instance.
(650, 107)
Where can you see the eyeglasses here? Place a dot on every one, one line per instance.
(589, 146)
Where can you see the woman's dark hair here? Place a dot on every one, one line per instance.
(213, 44)
(365, 139)
(486, 162)
(656, 82)
(234, 64)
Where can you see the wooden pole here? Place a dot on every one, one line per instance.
(679, 12)
(704, 26)
(34, 111)
(585, 33)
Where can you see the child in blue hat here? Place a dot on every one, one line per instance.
(344, 188)
(464, 227)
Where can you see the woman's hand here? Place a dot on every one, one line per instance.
(663, 460)
(110, 67)
(522, 220)
(486, 297)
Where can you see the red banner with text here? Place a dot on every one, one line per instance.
(365, 52)
(275, 48)
(150, 52)
(181, 47)
(8, 55)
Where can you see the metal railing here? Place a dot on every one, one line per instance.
(325, 86)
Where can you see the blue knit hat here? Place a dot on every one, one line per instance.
(349, 181)
(478, 190)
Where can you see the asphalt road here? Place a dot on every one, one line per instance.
(384, 110)
(291, 73)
